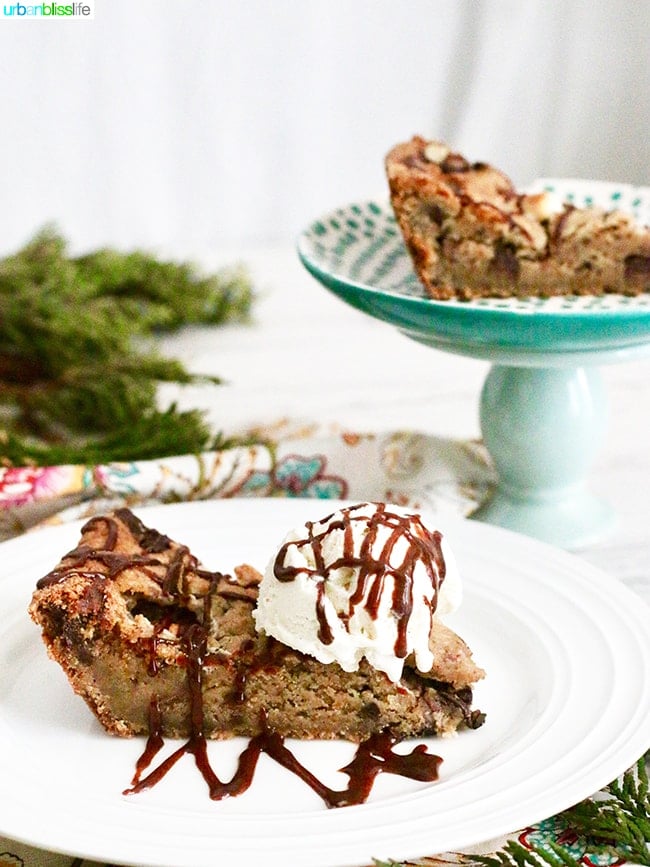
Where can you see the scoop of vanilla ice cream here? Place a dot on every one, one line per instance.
(365, 581)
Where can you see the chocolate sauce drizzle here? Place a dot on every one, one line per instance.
(373, 756)
(114, 562)
(373, 566)
(171, 577)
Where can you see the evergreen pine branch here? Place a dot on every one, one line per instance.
(617, 825)
(621, 822)
(79, 371)
(154, 434)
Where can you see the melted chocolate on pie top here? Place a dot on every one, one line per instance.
(373, 756)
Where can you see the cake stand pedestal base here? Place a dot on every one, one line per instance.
(543, 427)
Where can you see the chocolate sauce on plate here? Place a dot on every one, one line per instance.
(373, 757)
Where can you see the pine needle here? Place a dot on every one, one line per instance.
(616, 825)
(79, 370)
(619, 824)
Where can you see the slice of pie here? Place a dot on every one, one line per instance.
(470, 234)
(137, 623)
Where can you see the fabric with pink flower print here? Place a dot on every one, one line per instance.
(304, 460)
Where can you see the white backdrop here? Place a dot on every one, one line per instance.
(191, 125)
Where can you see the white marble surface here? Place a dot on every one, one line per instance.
(307, 355)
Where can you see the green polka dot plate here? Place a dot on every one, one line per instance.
(357, 252)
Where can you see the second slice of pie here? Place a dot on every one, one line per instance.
(471, 234)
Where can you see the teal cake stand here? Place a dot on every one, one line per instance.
(543, 406)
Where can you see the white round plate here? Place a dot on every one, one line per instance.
(567, 697)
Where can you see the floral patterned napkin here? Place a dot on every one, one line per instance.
(287, 460)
